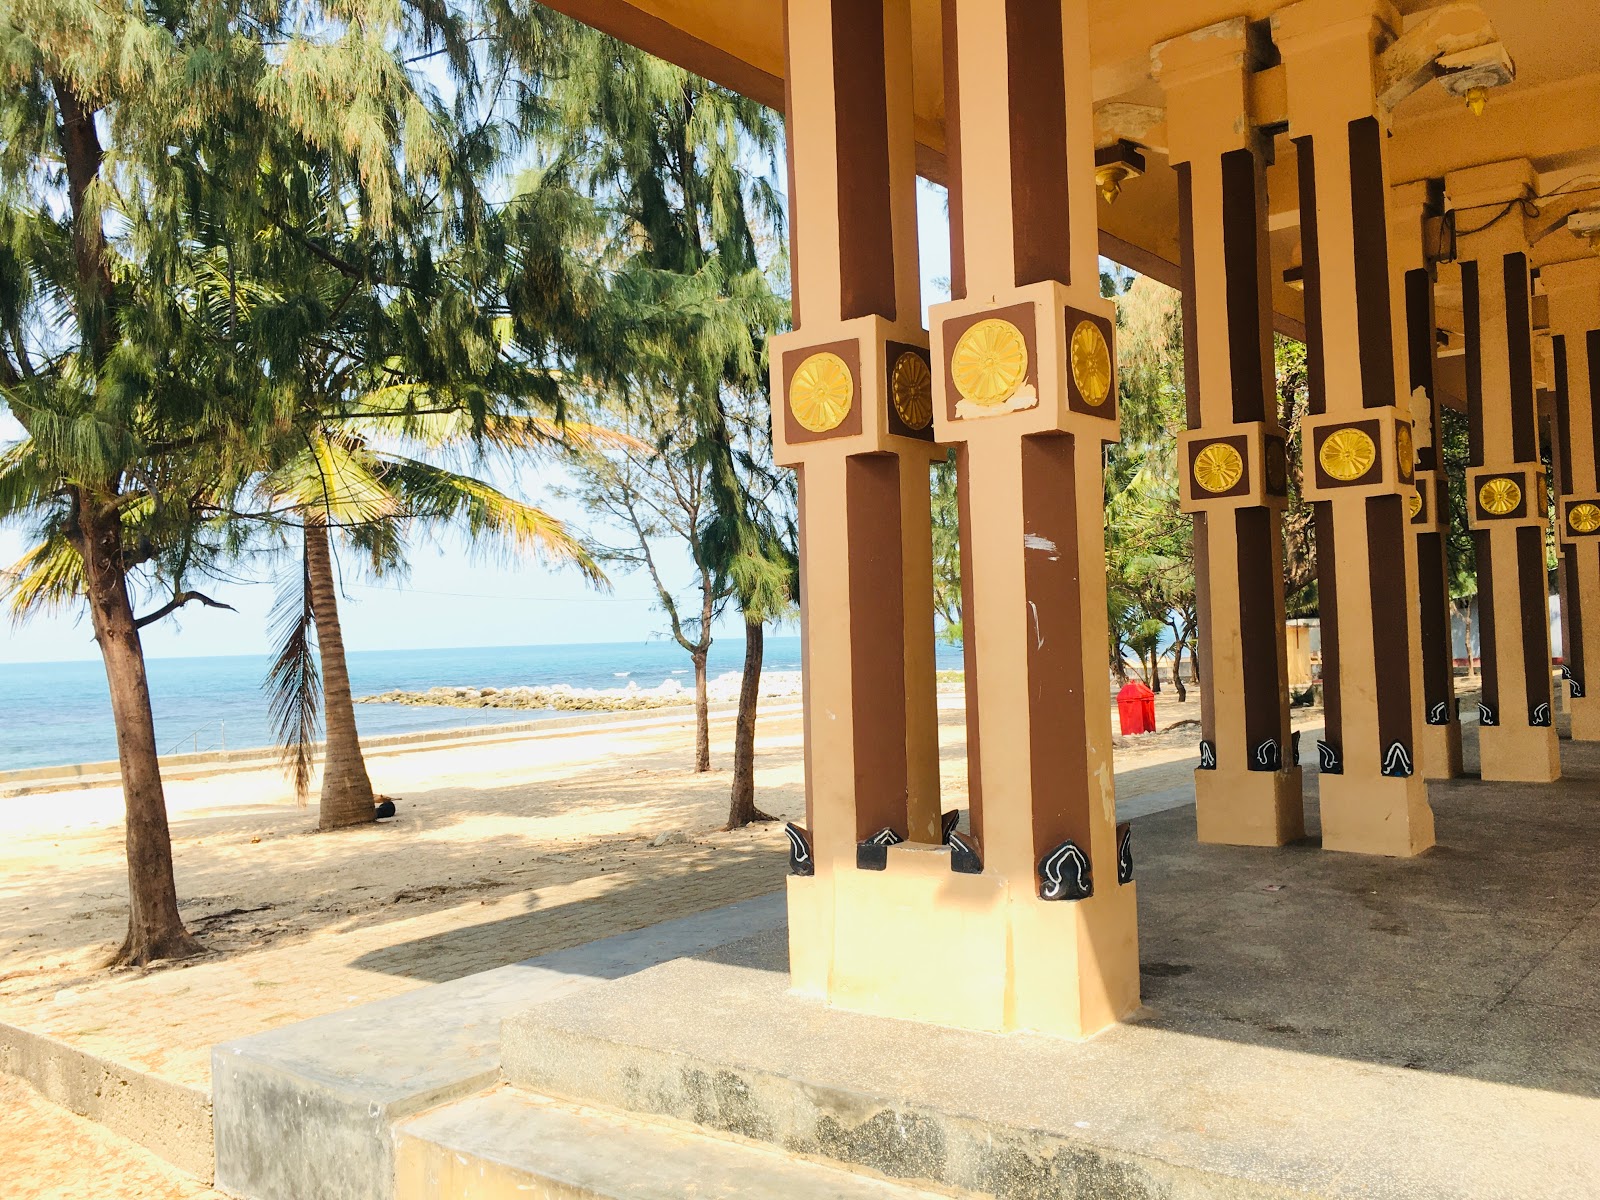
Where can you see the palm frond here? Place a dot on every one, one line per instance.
(44, 580)
(294, 682)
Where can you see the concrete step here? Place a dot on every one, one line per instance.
(513, 1145)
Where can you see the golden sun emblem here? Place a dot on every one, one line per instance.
(821, 392)
(1218, 467)
(1091, 363)
(1347, 454)
(1403, 448)
(1584, 518)
(1499, 496)
(1414, 504)
(989, 362)
(911, 388)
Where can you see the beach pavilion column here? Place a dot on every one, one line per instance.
(1233, 463)
(1439, 738)
(1357, 437)
(852, 415)
(1574, 292)
(1025, 386)
(1506, 487)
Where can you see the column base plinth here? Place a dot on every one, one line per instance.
(1519, 753)
(1585, 718)
(1249, 808)
(1366, 815)
(919, 942)
(1441, 751)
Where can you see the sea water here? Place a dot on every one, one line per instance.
(54, 714)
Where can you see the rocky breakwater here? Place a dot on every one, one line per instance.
(564, 697)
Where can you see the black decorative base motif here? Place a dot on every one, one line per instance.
(1439, 713)
(1208, 757)
(1267, 756)
(1064, 874)
(964, 856)
(1329, 759)
(1486, 715)
(1539, 718)
(800, 860)
(873, 854)
(1125, 853)
(1397, 761)
(948, 823)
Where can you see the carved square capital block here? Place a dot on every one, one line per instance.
(1353, 456)
(1233, 466)
(860, 387)
(1498, 498)
(1579, 518)
(1028, 362)
(1429, 504)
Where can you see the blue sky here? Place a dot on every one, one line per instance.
(450, 599)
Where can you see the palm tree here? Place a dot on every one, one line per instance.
(360, 481)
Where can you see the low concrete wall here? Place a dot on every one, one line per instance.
(165, 1118)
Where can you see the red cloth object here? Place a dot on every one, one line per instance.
(1136, 708)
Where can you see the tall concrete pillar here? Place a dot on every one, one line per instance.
(1574, 291)
(1439, 738)
(1025, 386)
(1507, 500)
(1233, 464)
(1357, 438)
(852, 413)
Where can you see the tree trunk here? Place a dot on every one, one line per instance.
(346, 790)
(1177, 671)
(702, 715)
(155, 930)
(1466, 630)
(742, 808)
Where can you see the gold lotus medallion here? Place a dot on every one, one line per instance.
(1347, 454)
(1584, 518)
(1091, 363)
(1414, 504)
(1403, 448)
(990, 362)
(1499, 496)
(821, 392)
(1218, 467)
(911, 387)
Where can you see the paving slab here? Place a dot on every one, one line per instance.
(308, 1110)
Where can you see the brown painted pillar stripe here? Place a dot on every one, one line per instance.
(952, 151)
(1202, 578)
(1060, 760)
(861, 105)
(1437, 656)
(1374, 316)
(1187, 286)
(1563, 456)
(794, 213)
(805, 640)
(877, 638)
(1311, 273)
(1391, 633)
(1471, 319)
(1592, 343)
(969, 644)
(1259, 629)
(1488, 664)
(1328, 613)
(1249, 336)
(1420, 350)
(1532, 588)
(1041, 208)
(1519, 336)
(1572, 615)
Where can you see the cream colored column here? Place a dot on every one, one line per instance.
(1025, 386)
(1439, 738)
(852, 414)
(1574, 291)
(1233, 462)
(1507, 498)
(1357, 439)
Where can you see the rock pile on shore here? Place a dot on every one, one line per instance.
(670, 693)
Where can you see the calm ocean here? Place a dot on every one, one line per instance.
(52, 714)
